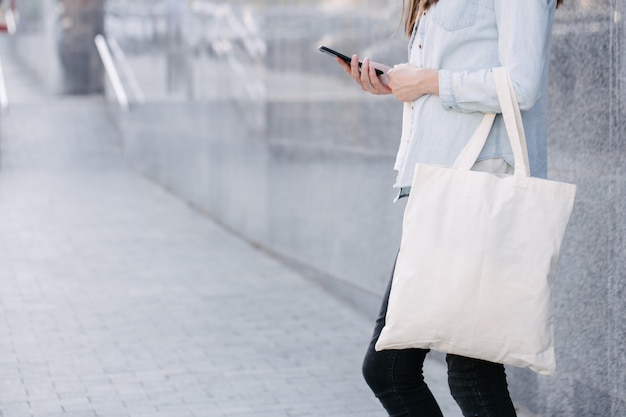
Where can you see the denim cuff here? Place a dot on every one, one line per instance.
(446, 90)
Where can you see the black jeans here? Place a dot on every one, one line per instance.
(396, 378)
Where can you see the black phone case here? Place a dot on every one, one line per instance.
(346, 58)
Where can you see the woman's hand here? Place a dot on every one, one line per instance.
(409, 83)
(366, 76)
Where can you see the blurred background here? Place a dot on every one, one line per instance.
(230, 107)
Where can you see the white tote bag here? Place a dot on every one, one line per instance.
(478, 255)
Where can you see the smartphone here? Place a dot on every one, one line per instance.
(344, 57)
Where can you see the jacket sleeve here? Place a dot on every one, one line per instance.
(523, 36)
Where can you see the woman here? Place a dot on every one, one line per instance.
(446, 86)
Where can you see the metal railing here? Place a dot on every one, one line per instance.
(234, 37)
(113, 58)
(4, 102)
(238, 41)
(219, 30)
(111, 71)
(126, 71)
(4, 97)
(11, 21)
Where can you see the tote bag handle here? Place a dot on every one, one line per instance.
(514, 127)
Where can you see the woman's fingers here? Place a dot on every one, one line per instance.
(355, 71)
(409, 83)
(365, 76)
(370, 79)
(377, 83)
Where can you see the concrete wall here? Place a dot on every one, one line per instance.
(305, 171)
(283, 150)
(587, 147)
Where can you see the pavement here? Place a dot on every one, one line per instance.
(117, 299)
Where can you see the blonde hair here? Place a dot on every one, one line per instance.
(412, 9)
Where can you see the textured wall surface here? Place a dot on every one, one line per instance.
(587, 147)
(304, 167)
(265, 134)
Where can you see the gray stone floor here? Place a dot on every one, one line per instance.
(119, 300)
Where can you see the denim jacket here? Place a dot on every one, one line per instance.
(464, 40)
